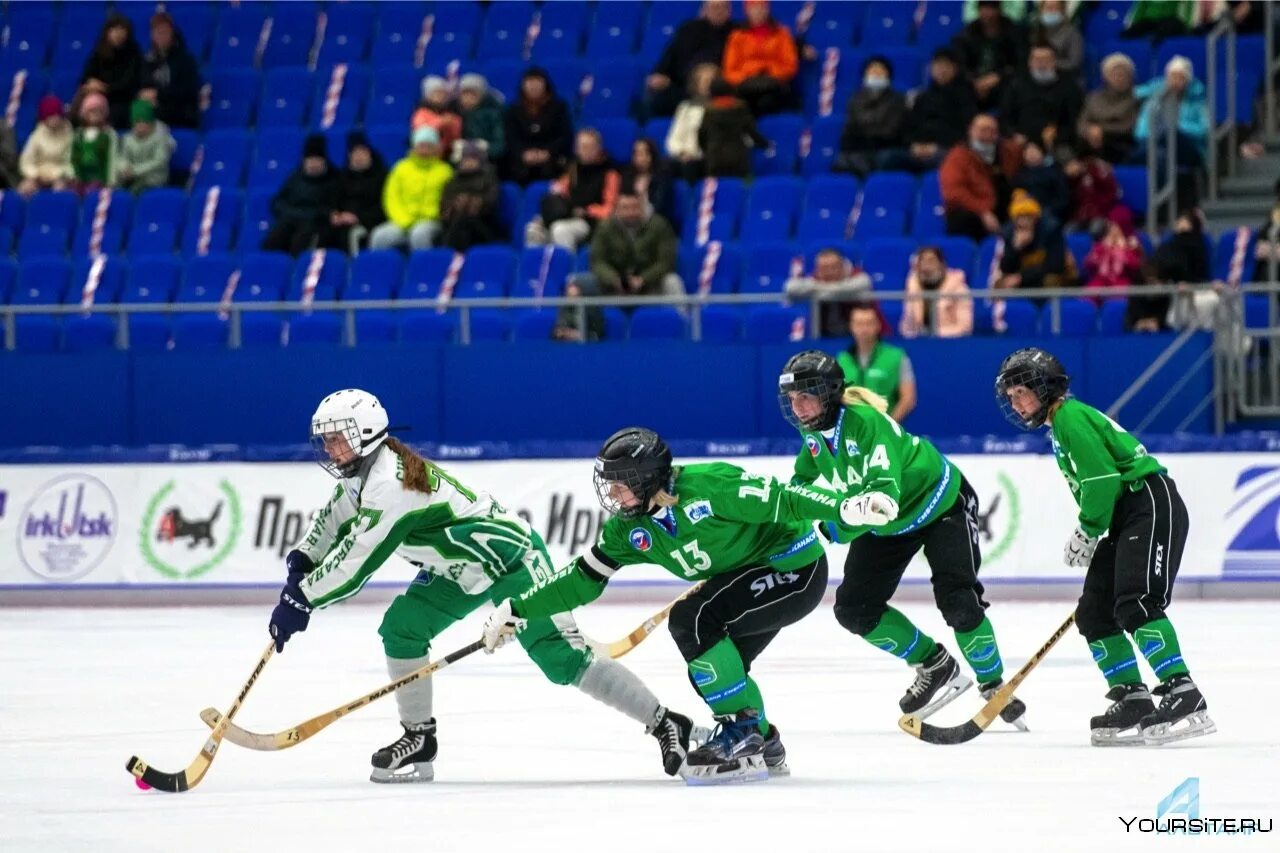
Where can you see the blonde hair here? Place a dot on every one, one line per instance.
(856, 395)
(663, 497)
(416, 469)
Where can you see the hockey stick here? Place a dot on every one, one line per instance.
(302, 731)
(186, 780)
(296, 735)
(967, 731)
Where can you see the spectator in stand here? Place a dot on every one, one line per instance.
(1035, 254)
(411, 196)
(648, 177)
(469, 207)
(833, 274)
(45, 163)
(1268, 236)
(145, 151)
(976, 180)
(633, 253)
(1181, 92)
(1116, 259)
(538, 131)
(437, 111)
(1043, 180)
(1181, 259)
(682, 138)
(579, 199)
(1111, 112)
(948, 316)
(697, 42)
(727, 128)
(170, 75)
(1159, 19)
(991, 50)
(875, 120)
(760, 61)
(1054, 27)
(1043, 106)
(114, 69)
(1095, 194)
(871, 363)
(95, 146)
(302, 204)
(10, 177)
(1014, 10)
(358, 209)
(578, 324)
(939, 115)
(481, 111)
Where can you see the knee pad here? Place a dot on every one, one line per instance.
(860, 619)
(1094, 617)
(402, 635)
(1131, 615)
(681, 624)
(961, 609)
(559, 661)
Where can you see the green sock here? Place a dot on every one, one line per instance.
(722, 680)
(982, 653)
(1114, 656)
(896, 634)
(1159, 645)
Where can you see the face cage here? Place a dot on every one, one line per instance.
(828, 398)
(1035, 381)
(643, 487)
(346, 427)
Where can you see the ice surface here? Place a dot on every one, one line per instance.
(526, 766)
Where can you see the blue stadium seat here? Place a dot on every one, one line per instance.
(887, 261)
(658, 323)
(259, 330)
(347, 31)
(768, 267)
(783, 151)
(1133, 187)
(41, 281)
(320, 328)
(827, 84)
(1021, 318)
(235, 41)
(542, 272)
(222, 158)
(824, 143)
(428, 327)
(1078, 318)
(396, 90)
(566, 73)
(340, 96)
(149, 332)
(205, 278)
(657, 129)
(53, 209)
(425, 272)
(186, 143)
(8, 276)
(713, 268)
(1105, 21)
(1257, 311)
(986, 271)
(1113, 313)
(285, 96)
(12, 210)
(105, 276)
(151, 281)
(88, 333)
(277, 154)
(257, 219)
(21, 90)
(489, 325)
(1079, 243)
(664, 18)
(399, 29)
(322, 272)
(619, 136)
(535, 325)
(158, 216)
(77, 35)
(615, 324)
(717, 204)
(29, 36)
(509, 196)
(721, 324)
(504, 78)
(503, 35)
(196, 22)
(943, 20)
(888, 25)
(104, 219)
(827, 207)
(42, 241)
(487, 273)
(613, 88)
(1234, 260)
(910, 65)
(37, 334)
(616, 30)
(293, 34)
(232, 98)
(376, 328)
(263, 277)
(929, 218)
(886, 198)
(200, 332)
(375, 274)
(775, 324)
(6, 242)
(560, 29)
(772, 208)
(391, 141)
(212, 218)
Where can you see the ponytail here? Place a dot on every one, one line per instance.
(856, 395)
(416, 477)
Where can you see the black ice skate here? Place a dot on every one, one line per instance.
(1012, 713)
(1183, 713)
(672, 732)
(775, 754)
(938, 681)
(1118, 725)
(735, 753)
(410, 758)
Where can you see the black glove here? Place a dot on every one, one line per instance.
(292, 613)
(298, 563)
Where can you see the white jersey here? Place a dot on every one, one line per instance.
(452, 532)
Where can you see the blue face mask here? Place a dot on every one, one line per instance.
(876, 84)
(1044, 76)
(1051, 19)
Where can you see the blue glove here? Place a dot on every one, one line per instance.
(298, 563)
(292, 613)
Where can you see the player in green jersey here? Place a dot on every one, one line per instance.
(392, 505)
(749, 539)
(901, 495)
(1129, 538)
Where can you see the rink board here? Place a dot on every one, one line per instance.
(132, 525)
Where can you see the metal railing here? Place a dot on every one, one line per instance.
(1227, 132)
(1162, 192)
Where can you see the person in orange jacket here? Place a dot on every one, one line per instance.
(760, 60)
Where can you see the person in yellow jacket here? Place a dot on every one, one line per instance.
(411, 196)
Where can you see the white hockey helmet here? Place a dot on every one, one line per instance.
(357, 416)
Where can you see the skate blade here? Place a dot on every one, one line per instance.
(1197, 725)
(777, 770)
(750, 768)
(424, 772)
(699, 735)
(1117, 737)
(1020, 723)
(950, 692)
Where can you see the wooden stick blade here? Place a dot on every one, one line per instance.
(173, 783)
(945, 735)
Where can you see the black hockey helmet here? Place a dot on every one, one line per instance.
(640, 460)
(812, 372)
(1040, 372)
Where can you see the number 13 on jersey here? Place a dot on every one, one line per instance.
(701, 560)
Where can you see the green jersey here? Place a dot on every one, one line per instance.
(883, 373)
(724, 519)
(867, 451)
(1099, 460)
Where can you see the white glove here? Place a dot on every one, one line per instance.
(872, 509)
(501, 626)
(1078, 552)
